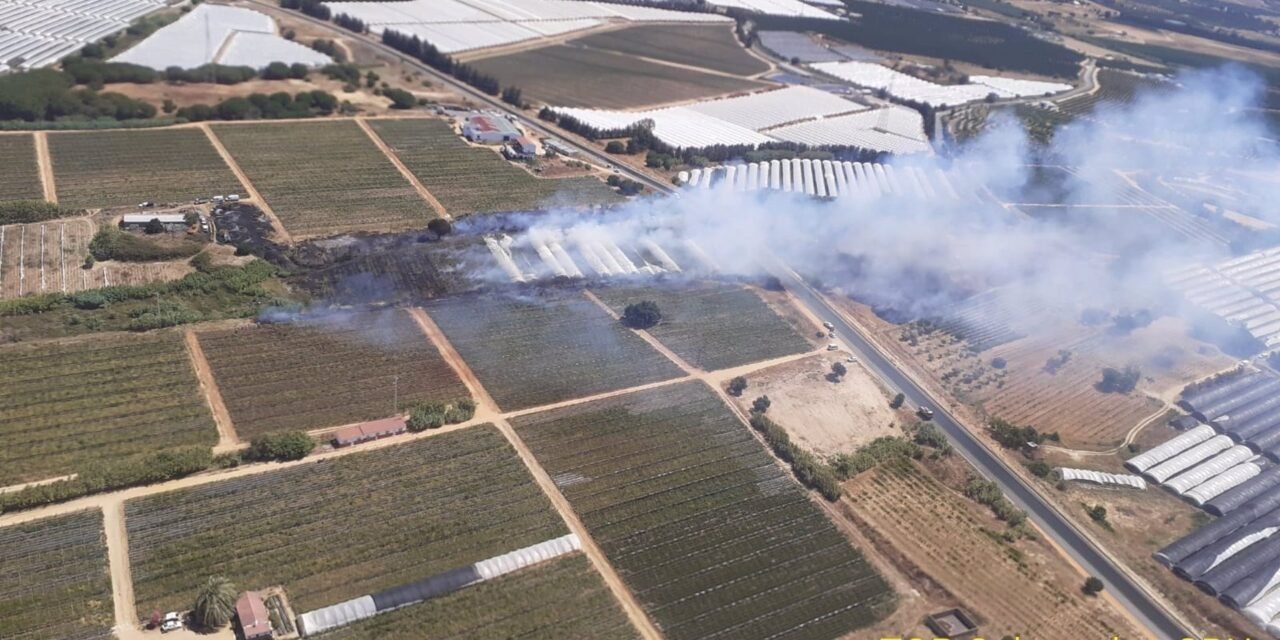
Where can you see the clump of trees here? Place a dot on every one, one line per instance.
(1012, 436)
(329, 48)
(109, 476)
(1119, 380)
(280, 447)
(988, 493)
(642, 315)
(625, 186)
(927, 434)
(255, 106)
(350, 23)
(512, 95)
(1053, 364)
(433, 415)
(24, 211)
(761, 404)
(313, 8)
(882, 449)
(737, 385)
(47, 95)
(113, 244)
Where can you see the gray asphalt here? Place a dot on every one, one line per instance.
(1146, 611)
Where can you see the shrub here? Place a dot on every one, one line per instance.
(1092, 586)
(113, 244)
(615, 146)
(641, 315)
(761, 404)
(280, 446)
(897, 401)
(1039, 469)
(880, 450)
(433, 415)
(928, 434)
(737, 386)
(1119, 381)
(400, 99)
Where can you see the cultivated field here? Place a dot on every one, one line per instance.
(469, 179)
(45, 257)
(1015, 589)
(530, 353)
(404, 274)
(123, 168)
(1115, 88)
(564, 598)
(326, 370)
(567, 76)
(710, 533)
(68, 403)
(708, 46)
(53, 579)
(348, 527)
(713, 327)
(324, 178)
(19, 173)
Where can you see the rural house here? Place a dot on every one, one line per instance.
(251, 612)
(364, 432)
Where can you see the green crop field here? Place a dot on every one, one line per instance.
(470, 180)
(529, 353)
(343, 528)
(564, 598)
(324, 178)
(710, 533)
(123, 168)
(65, 404)
(54, 581)
(326, 370)
(711, 46)
(568, 76)
(713, 327)
(19, 173)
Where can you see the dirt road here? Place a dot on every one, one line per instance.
(45, 162)
(228, 440)
(404, 171)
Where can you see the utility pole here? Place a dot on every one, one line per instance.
(396, 385)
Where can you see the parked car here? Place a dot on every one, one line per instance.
(172, 622)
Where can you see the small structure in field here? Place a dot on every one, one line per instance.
(367, 431)
(252, 616)
(172, 222)
(488, 129)
(521, 148)
(954, 624)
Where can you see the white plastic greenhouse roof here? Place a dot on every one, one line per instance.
(1194, 477)
(1189, 458)
(256, 50)
(1100, 477)
(900, 85)
(1170, 448)
(218, 33)
(1014, 87)
(37, 33)
(824, 178)
(767, 109)
(893, 129)
(337, 615)
(792, 8)
(1223, 482)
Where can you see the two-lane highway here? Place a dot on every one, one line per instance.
(1155, 618)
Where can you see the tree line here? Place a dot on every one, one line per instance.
(429, 55)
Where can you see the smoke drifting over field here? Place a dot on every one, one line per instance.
(917, 255)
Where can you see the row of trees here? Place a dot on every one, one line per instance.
(97, 73)
(313, 8)
(443, 62)
(255, 106)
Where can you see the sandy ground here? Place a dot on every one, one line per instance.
(825, 417)
(227, 437)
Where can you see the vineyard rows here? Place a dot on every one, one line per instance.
(983, 320)
(351, 526)
(19, 172)
(714, 327)
(713, 537)
(124, 168)
(530, 353)
(326, 370)
(324, 177)
(54, 581)
(561, 599)
(64, 404)
(468, 179)
(1114, 88)
(940, 533)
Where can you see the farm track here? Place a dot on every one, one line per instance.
(249, 188)
(117, 536)
(45, 163)
(227, 438)
(404, 171)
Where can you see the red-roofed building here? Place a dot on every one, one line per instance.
(251, 612)
(487, 129)
(364, 432)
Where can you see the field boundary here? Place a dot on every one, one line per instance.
(404, 171)
(245, 182)
(689, 369)
(117, 540)
(436, 337)
(227, 438)
(44, 163)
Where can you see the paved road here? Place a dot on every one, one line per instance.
(1146, 611)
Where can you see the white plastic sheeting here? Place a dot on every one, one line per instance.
(257, 50)
(1240, 290)
(37, 33)
(337, 615)
(900, 85)
(792, 8)
(1265, 610)
(220, 34)
(891, 129)
(677, 126)
(521, 558)
(1191, 478)
(1100, 477)
(767, 109)
(1170, 448)
(1227, 480)
(827, 178)
(1189, 458)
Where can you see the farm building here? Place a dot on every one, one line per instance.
(251, 615)
(139, 221)
(489, 129)
(521, 148)
(367, 431)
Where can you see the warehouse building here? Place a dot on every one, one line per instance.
(173, 222)
(488, 129)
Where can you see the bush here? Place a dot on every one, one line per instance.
(880, 450)
(400, 99)
(928, 434)
(761, 404)
(897, 401)
(440, 227)
(988, 493)
(433, 415)
(24, 211)
(1119, 381)
(999, 363)
(1011, 436)
(113, 244)
(280, 446)
(641, 315)
(615, 146)
(1092, 586)
(737, 386)
(1039, 469)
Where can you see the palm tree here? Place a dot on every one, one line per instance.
(215, 602)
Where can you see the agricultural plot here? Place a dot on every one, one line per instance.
(19, 173)
(324, 178)
(710, 533)
(45, 257)
(326, 370)
(561, 599)
(351, 526)
(400, 274)
(469, 179)
(54, 581)
(68, 403)
(1115, 88)
(713, 327)
(568, 76)
(123, 168)
(707, 46)
(534, 352)
(1013, 590)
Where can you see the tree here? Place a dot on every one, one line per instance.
(298, 71)
(999, 363)
(214, 604)
(838, 370)
(281, 446)
(276, 71)
(1118, 381)
(512, 95)
(153, 227)
(1039, 469)
(615, 146)
(761, 404)
(737, 386)
(401, 99)
(440, 227)
(642, 315)
(168, 106)
(897, 401)
(1092, 586)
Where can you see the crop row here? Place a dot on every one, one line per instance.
(333, 531)
(711, 534)
(470, 180)
(713, 327)
(64, 404)
(19, 174)
(324, 177)
(325, 371)
(54, 581)
(119, 168)
(534, 352)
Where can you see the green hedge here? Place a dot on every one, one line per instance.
(150, 469)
